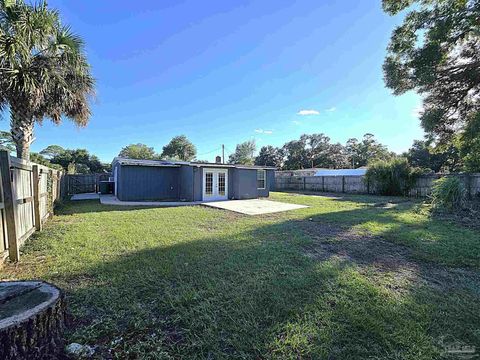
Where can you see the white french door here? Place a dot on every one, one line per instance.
(215, 184)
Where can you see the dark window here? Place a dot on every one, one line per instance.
(261, 175)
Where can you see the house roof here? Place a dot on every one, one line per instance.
(174, 163)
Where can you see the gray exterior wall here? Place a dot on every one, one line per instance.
(245, 184)
(148, 183)
(184, 183)
(271, 180)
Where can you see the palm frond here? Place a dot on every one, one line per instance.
(68, 40)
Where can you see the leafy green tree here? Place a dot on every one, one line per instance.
(6, 141)
(337, 157)
(318, 149)
(51, 151)
(469, 144)
(436, 52)
(81, 159)
(43, 70)
(297, 156)
(443, 158)
(138, 151)
(39, 159)
(244, 153)
(179, 148)
(361, 153)
(270, 156)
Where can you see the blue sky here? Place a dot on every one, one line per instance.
(229, 71)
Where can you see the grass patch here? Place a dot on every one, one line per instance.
(195, 282)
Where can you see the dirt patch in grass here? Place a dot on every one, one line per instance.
(385, 263)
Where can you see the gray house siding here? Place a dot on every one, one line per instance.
(270, 181)
(183, 182)
(186, 181)
(245, 183)
(148, 183)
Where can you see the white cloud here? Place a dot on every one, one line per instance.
(266, 132)
(296, 122)
(332, 109)
(308, 112)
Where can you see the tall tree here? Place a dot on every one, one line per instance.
(297, 156)
(366, 151)
(469, 144)
(81, 160)
(244, 153)
(43, 70)
(52, 150)
(180, 148)
(337, 157)
(138, 151)
(442, 158)
(436, 52)
(270, 156)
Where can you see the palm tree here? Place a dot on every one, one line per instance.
(44, 72)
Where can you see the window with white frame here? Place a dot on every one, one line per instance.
(261, 176)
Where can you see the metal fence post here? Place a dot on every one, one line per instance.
(9, 203)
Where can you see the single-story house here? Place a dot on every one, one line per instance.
(160, 180)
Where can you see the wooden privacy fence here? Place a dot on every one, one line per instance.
(85, 183)
(358, 185)
(28, 194)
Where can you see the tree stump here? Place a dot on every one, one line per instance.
(32, 320)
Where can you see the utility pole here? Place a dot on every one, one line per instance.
(223, 154)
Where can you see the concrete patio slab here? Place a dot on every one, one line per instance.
(112, 200)
(254, 206)
(88, 196)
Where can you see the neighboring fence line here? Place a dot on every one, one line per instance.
(85, 183)
(28, 193)
(358, 185)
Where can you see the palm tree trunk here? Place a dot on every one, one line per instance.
(22, 125)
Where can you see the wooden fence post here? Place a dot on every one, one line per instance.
(58, 183)
(9, 203)
(36, 198)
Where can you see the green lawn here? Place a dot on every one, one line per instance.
(347, 278)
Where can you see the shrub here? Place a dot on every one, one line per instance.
(392, 177)
(448, 193)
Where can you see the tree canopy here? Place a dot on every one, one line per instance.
(179, 148)
(244, 153)
(138, 151)
(316, 151)
(51, 151)
(270, 156)
(436, 52)
(44, 72)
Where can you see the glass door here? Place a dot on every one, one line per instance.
(215, 184)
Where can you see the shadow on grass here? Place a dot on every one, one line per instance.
(428, 239)
(255, 294)
(352, 197)
(94, 206)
